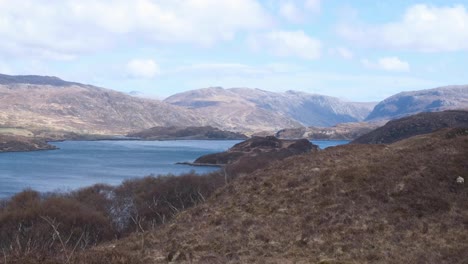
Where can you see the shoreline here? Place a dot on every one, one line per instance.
(200, 164)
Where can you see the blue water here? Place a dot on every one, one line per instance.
(323, 144)
(83, 163)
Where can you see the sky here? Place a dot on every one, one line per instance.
(357, 50)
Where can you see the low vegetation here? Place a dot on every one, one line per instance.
(37, 227)
(397, 203)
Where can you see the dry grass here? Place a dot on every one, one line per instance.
(394, 203)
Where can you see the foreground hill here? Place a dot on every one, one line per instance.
(49, 103)
(431, 100)
(397, 203)
(205, 132)
(422, 123)
(257, 110)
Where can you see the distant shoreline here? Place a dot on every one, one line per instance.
(199, 164)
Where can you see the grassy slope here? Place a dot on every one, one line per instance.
(394, 203)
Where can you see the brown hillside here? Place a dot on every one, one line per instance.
(397, 203)
(256, 153)
(43, 103)
(418, 124)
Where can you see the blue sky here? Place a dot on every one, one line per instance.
(355, 50)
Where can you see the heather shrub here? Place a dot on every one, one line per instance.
(35, 227)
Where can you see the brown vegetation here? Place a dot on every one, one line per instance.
(36, 228)
(422, 123)
(396, 203)
(256, 153)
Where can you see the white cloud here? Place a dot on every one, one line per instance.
(297, 11)
(313, 5)
(287, 44)
(64, 29)
(235, 69)
(387, 64)
(142, 68)
(422, 28)
(343, 52)
(291, 12)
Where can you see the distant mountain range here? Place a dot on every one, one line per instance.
(48, 103)
(255, 109)
(43, 103)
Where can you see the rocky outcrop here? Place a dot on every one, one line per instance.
(205, 132)
(9, 143)
(410, 126)
(256, 153)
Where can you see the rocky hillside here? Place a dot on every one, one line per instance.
(48, 103)
(11, 143)
(258, 146)
(398, 203)
(257, 110)
(431, 100)
(205, 132)
(422, 123)
(344, 131)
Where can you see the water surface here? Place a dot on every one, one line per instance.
(84, 163)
